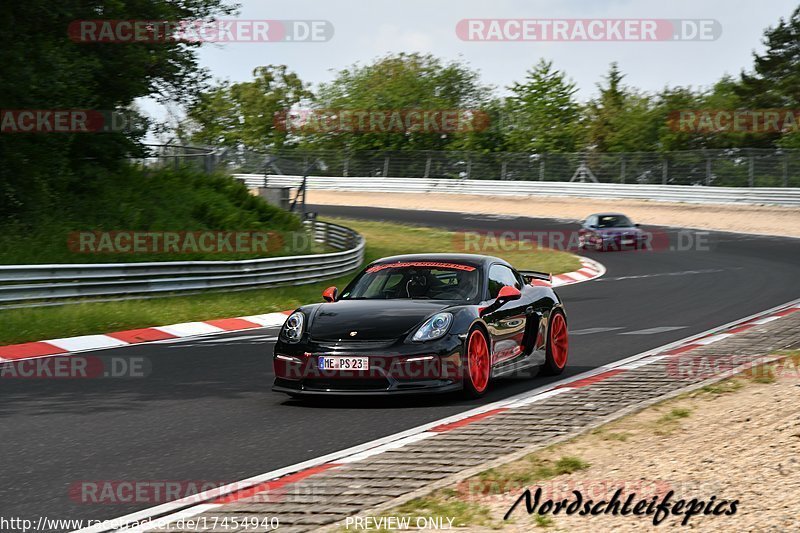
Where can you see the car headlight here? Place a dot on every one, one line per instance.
(434, 328)
(293, 327)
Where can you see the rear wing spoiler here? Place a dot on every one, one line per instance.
(531, 275)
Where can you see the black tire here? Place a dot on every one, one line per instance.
(557, 348)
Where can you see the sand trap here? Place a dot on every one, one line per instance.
(768, 220)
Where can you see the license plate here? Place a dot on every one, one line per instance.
(627, 241)
(343, 363)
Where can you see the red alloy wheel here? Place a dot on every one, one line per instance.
(559, 341)
(478, 361)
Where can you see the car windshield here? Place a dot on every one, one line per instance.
(415, 280)
(614, 221)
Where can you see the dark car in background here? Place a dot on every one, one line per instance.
(610, 231)
(423, 323)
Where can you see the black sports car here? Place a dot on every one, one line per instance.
(423, 323)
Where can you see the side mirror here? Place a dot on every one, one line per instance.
(330, 294)
(508, 293)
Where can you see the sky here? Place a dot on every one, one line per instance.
(367, 29)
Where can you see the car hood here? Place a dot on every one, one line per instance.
(371, 319)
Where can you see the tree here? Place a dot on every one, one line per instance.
(399, 85)
(544, 115)
(246, 114)
(775, 80)
(43, 69)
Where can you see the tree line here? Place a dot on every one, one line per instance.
(44, 69)
(541, 113)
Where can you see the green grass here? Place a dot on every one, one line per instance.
(133, 200)
(21, 325)
(675, 414)
(533, 469)
(722, 387)
(606, 435)
(385, 239)
(668, 422)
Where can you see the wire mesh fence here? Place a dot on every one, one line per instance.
(740, 167)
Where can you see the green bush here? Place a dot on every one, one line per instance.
(139, 200)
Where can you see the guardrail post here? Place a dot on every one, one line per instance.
(428, 166)
(622, 170)
(503, 170)
(386, 166)
(786, 170)
(469, 168)
(751, 172)
(708, 171)
(665, 171)
(541, 169)
(346, 165)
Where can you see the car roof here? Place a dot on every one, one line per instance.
(470, 259)
(608, 215)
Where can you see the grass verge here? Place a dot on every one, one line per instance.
(131, 200)
(480, 501)
(383, 239)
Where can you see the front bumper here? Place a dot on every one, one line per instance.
(394, 368)
(619, 242)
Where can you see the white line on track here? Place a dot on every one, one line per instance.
(653, 331)
(592, 331)
(663, 274)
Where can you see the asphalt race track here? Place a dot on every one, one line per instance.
(205, 412)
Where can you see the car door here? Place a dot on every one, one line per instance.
(507, 322)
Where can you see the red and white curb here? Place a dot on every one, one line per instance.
(66, 346)
(29, 350)
(589, 270)
(160, 516)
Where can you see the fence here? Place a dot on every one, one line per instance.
(665, 193)
(727, 168)
(31, 285)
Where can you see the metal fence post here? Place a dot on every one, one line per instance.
(786, 170)
(386, 166)
(622, 170)
(469, 168)
(751, 172)
(503, 170)
(428, 166)
(665, 171)
(708, 171)
(541, 169)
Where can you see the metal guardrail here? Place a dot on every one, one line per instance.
(32, 285)
(665, 193)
